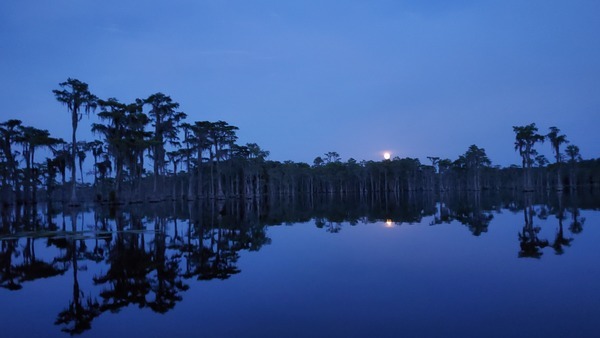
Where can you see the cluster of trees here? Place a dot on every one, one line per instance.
(129, 133)
(199, 159)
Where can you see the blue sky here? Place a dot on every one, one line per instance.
(300, 78)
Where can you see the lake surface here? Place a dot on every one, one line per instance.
(418, 266)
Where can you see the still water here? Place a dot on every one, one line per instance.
(416, 266)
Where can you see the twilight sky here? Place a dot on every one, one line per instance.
(300, 78)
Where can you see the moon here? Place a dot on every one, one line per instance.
(387, 155)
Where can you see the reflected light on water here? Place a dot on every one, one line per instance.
(389, 223)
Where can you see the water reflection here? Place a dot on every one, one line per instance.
(528, 237)
(148, 255)
(560, 241)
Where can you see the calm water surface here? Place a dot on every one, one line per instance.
(467, 266)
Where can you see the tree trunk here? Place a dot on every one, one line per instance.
(74, 119)
(559, 186)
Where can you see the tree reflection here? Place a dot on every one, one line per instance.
(129, 264)
(19, 263)
(81, 311)
(577, 221)
(145, 255)
(443, 212)
(560, 240)
(328, 225)
(8, 276)
(214, 242)
(165, 282)
(78, 316)
(469, 211)
(528, 237)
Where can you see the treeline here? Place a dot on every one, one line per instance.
(202, 159)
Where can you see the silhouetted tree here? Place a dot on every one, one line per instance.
(560, 240)
(78, 99)
(528, 238)
(556, 140)
(222, 136)
(526, 137)
(97, 148)
(473, 161)
(10, 133)
(125, 137)
(572, 152)
(166, 126)
(32, 138)
(62, 159)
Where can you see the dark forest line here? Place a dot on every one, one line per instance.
(201, 159)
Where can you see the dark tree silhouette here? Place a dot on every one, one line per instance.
(166, 126)
(560, 240)
(526, 138)
(528, 238)
(207, 162)
(125, 137)
(32, 138)
(556, 140)
(78, 99)
(222, 135)
(10, 133)
(572, 152)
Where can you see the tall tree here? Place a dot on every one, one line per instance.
(82, 149)
(62, 159)
(525, 139)
(114, 131)
(97, 149)
(200, 143)
(332, 157)
(444, 166)
(125, 136)
(32, 138)
(222, 136)
(187, 152)
(9, 134)
(474, 160)
(572, 152)
(556, 140)
(165, 120)
(139, 141)
(250, 159)
(78, 99)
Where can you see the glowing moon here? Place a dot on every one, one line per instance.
(387, 155)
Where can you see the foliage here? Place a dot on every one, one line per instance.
(206, 161)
